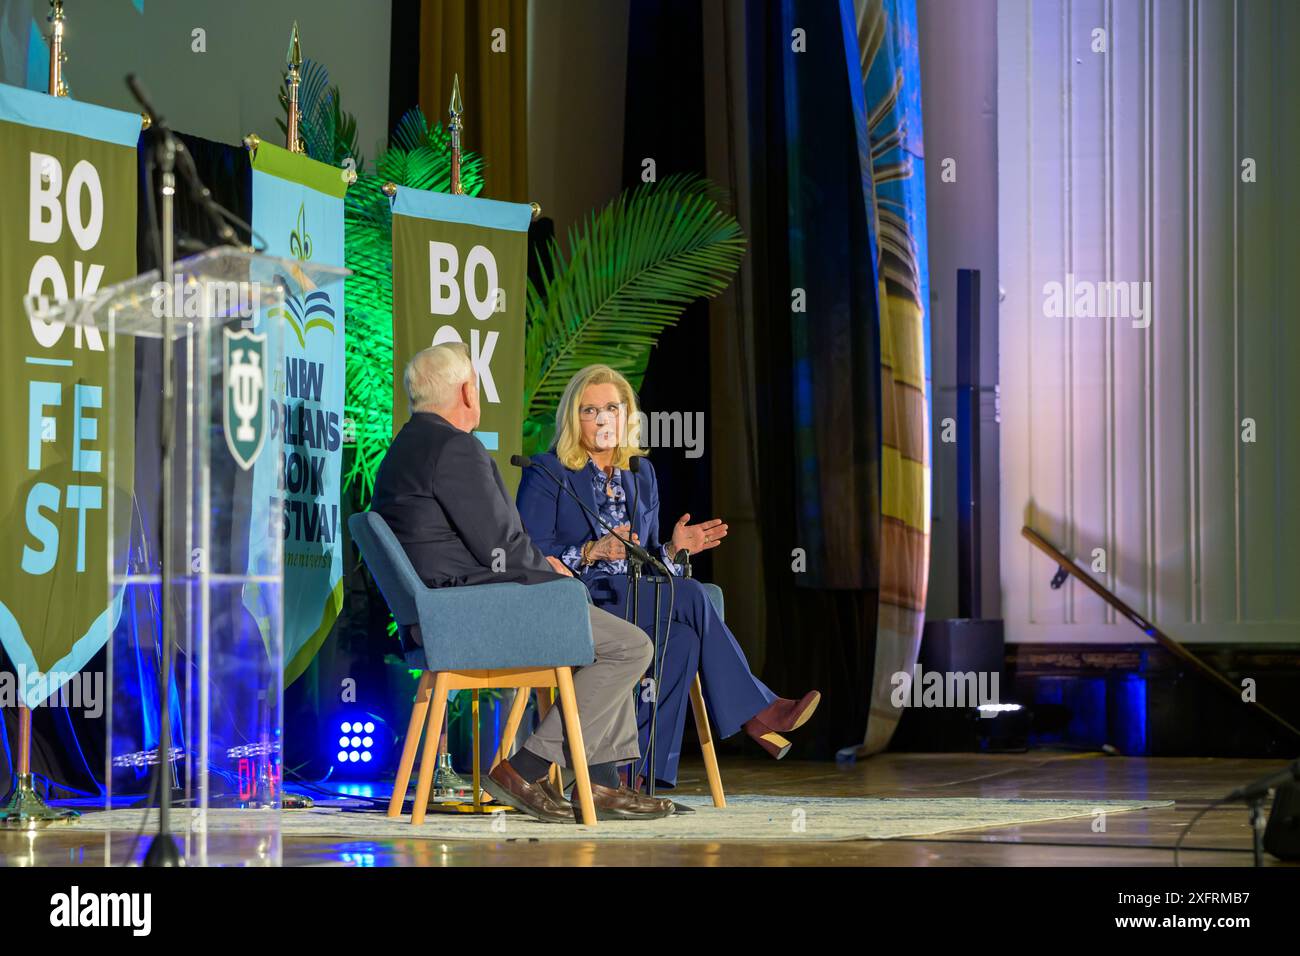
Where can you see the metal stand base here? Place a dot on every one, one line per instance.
(447, 783)
(26, 810)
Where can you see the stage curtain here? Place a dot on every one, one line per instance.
(885, 86)
(839, 352)
(457, 36)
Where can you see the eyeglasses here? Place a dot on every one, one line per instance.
(588, 413)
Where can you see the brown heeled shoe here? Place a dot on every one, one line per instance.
(767, 738)
(785, 715)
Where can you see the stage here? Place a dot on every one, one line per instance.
(1166, 794)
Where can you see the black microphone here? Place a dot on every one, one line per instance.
(638, 552)
(634, 466)
(683, 557)
(1260, 787)
(217, 213)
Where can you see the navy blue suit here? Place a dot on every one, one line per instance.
(698, 638)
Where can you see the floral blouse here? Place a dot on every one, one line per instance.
(612, 507)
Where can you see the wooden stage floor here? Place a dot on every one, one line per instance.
(1139, 838)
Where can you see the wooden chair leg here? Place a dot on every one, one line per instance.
(706, 743)
(429, 761)
(513, 720)
(577, 749)
(419, 711)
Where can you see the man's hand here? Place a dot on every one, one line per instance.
(697, 537)
(559, 566)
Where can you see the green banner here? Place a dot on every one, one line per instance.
(68, 229)
(459, 265)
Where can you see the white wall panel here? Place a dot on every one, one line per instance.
(1125, 166)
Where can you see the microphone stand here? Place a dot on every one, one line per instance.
(637, 557)
(634, 610)
(163, 850)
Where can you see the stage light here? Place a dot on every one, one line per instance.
(363, 747)
(988, 710)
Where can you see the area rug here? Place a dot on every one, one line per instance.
(747, 817)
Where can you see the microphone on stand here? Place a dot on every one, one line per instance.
(1260, 787)
(634, 466)
(683, 558)
(634, 549)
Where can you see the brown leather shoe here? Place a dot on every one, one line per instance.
(767, 738)
(552, 791)
(506, 786)
(623, 804)
(783, 715)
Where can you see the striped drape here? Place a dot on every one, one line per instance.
(884, 75)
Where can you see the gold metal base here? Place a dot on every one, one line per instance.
(26, 810)
(447, 783)
(452, 793)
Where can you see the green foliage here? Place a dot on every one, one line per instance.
(630, 272)
(420, 157)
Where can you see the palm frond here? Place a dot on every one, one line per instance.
(630, 271)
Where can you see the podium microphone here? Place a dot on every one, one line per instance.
(634, 549)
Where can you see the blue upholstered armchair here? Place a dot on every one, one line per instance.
(489, 635)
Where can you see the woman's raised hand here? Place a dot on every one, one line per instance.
(697, 537)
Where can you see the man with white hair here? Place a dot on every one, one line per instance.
(442, 495)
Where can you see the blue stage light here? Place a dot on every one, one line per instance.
(363, 744)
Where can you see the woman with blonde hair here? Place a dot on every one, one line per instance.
(598, 432)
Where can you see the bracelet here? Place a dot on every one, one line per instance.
(586, 552)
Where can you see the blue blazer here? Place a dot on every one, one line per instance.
(555, 522)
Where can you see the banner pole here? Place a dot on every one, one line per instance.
(456, 108)
(56, 86)
(293, 136)
(25, 809)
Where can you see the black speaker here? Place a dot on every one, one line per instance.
(1282, 835)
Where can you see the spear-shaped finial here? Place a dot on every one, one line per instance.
(293, 60)
(456, 108)
(56, 87)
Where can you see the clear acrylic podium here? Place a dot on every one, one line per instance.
(224, 312)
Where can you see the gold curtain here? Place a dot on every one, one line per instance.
(486, 42)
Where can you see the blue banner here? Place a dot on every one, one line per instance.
(298, 212)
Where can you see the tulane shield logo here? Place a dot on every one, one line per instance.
(244, 395)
